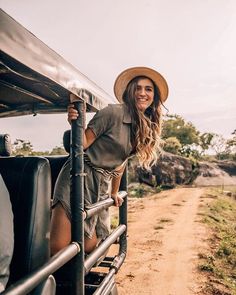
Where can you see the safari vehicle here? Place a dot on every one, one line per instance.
(36, 80)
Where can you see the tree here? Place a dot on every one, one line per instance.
(22, 147)
(218, 144)
(205, 140)
(190, 151)
(185, 132)
(231, 143)
(58, 150)
(231, 146)
(172, 145)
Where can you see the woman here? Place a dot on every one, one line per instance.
(113, 135)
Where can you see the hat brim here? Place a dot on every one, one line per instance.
(129, 74)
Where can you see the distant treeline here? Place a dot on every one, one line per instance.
(179, 137)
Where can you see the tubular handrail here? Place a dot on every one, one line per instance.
(105, 287)
(118, 261)
(99, 251)
(32, 280)
(104, 284)
(99, 206)
(29, 282)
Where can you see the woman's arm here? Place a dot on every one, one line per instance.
(115, 185)
(89, 136)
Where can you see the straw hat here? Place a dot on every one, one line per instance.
(127, 75)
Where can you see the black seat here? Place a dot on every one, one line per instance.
(56, 162)
(66, 141)
(6, 234)
(5, 145)
(28, 180)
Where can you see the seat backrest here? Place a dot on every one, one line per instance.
(6, 234)
(56, 162)
(66, 140)
(5, 145)
(28, 180)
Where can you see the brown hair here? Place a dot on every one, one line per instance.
(146, 127)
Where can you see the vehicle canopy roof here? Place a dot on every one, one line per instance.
(35, 79)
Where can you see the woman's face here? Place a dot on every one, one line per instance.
(144, 94)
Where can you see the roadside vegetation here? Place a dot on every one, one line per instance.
(137, 190)
(21, 147)
(183, 138)
(220, 262)
(179, 137)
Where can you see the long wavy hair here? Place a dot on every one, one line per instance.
(146, 126)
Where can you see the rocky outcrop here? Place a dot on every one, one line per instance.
(228, 166)
(216, 173)
(172, 170)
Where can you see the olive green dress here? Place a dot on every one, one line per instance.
(112, 146)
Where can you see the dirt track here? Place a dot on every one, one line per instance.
(164, 240)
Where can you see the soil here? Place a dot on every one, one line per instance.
(165, 236)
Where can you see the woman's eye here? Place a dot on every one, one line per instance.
(147, 89)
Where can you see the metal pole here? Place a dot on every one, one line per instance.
(99, 251)
(32, 280)
(77, 198)
(101, 205)
(123, 212)
(108, 279)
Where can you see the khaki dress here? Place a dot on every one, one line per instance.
(112, 146)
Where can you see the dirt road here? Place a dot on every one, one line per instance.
(164, 240)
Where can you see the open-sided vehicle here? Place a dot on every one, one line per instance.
(36, 80)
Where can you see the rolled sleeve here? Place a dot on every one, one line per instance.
(101, 121)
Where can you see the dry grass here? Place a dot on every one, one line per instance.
(220, 263)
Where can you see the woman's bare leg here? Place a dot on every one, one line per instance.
(61, 232)
(60, 229)
(90, 244)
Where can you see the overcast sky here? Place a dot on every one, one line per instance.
(191, 42)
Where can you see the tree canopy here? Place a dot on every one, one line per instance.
(185, 132)
(182, 137)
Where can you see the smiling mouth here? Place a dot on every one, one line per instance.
(142, 100)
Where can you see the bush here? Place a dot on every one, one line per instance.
(172, 145)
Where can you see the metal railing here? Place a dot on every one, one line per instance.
(32, 280)
(75, 250)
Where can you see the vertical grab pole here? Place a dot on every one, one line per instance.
(77, 198)
(123, 211)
